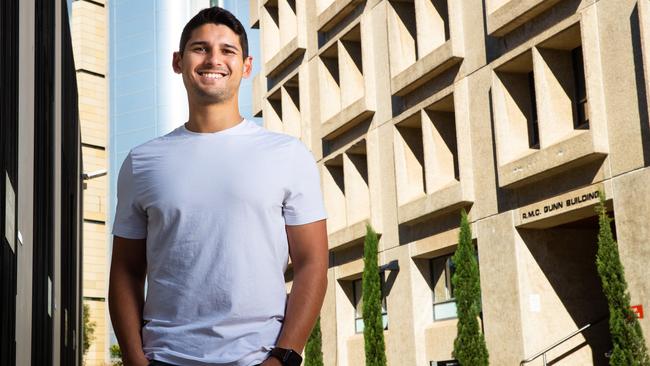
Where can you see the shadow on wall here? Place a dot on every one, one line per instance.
(566, 256)
(641, 92)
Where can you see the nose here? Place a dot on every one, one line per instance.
(213, 58)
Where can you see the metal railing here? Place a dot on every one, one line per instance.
(547, 349)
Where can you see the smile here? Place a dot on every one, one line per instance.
(212, 75)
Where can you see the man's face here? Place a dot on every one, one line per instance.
(212, 64)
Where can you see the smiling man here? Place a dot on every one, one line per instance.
(209, 214)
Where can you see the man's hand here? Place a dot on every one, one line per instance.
(271, 361)
(140, 361)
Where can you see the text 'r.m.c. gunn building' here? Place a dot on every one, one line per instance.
(518, 111)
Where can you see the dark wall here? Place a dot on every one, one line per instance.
(46, 149)
(71, 206)
(43, 279)
(8, 168)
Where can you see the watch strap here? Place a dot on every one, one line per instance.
(287, 357)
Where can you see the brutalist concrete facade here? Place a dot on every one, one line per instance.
(518, 111)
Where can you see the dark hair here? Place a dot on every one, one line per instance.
(215, 15)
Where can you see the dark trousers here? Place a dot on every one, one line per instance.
(160, 363)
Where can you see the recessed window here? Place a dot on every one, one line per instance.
(516, 115)
(334, 193)
(279, 26)
(356, 177)
(341, 80)
(415, 30)
(329, 83)
(533, 122)
(357, 293)
(409, 159)
(581, 120)
(444, 303)
(271, 29)
(561, 89)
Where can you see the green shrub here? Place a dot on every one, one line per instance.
(313, 349)
(629, 347)
(373, 329)
(469, 345)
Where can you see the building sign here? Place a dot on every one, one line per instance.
(638, 310)
(558, 205)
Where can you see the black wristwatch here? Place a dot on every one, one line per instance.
(288, 357)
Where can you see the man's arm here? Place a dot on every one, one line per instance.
(126, 297)
(309, 255)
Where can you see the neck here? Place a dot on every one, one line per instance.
(206, 118)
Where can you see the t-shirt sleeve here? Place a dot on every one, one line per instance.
(303, 201)
(130, 219)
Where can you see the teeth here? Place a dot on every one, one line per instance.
(212, 75)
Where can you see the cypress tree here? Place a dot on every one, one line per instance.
(88, 330)
(469, 345)
(313, 349)
(373, 329)
(629, 347)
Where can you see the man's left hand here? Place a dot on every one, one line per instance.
(271, 361)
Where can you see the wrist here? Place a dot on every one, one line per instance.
(272, 361)
(135, 360)
(286, 356)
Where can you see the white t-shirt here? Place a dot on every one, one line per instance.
(213, 208)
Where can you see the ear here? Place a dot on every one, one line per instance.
(177, 60)
(248, 67)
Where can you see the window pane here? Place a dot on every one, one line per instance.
(358, 325)
(384, 320)
(439, 279)
(444, 311)
(451, 269)
(358, 298)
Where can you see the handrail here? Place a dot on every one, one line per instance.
(573, 334)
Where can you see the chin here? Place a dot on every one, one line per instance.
(214, 98)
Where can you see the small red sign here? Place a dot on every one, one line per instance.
(638, 310)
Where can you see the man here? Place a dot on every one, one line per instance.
(209, 213)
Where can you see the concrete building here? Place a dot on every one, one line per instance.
(40, 187)
(89, 21)
(516, 111)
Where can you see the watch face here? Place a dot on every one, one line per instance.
(294, 359)
(288, 357)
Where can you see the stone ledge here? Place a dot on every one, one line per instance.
(349, 271)
(515, 13)
(346, 119)
(425, 69)
(574, 151)
(438, 203)
(436, 245)
(283, 57)
(348, 236)
(334, 13)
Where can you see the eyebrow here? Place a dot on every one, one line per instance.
(224, 45)
(198, 43)
(230, 46)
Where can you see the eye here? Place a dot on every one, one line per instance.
(200, 49)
